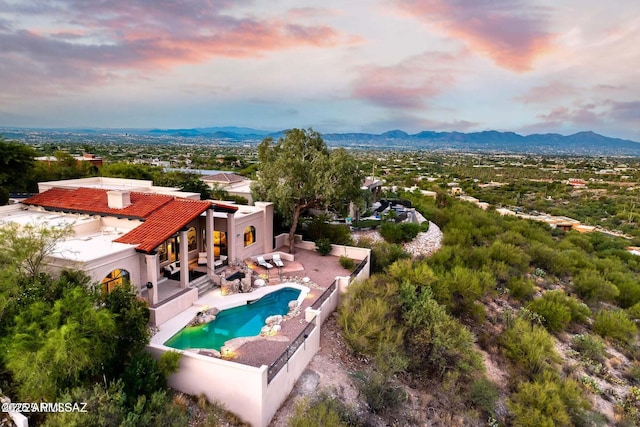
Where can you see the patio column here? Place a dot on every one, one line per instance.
(209, 230)
(184, 259)
(266, 234)
(153, 266)
(232, 239)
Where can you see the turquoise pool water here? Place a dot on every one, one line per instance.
(242, 321)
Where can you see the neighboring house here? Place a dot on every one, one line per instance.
(374, 186)
(232, 183)
(129, 229)
(577, 183)
(86, 157)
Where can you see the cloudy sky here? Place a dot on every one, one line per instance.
(338, 66)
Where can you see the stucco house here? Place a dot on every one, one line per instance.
(171, 246)
(167, 243)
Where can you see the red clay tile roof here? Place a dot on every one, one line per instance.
(164, 223)
(94, 201)
(223, 207)
(163, 215)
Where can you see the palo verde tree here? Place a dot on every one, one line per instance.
(23, 258)
(299, 172)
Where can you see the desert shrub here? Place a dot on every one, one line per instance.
(520, 288)
(548, 401)
(436, 343)
(629, 411)
(142, 377)
(592, 287)
(555, 314)
(323, 410)
(347, 263)
(579, 240)
(418, 273)
(483, 395)
(629, 289)
(529, 347)
(510, 254)
(399, 233)
(379, 393)
(169, 363)
(108, 407)
(589, 347)
(559, 309)
(366, 223)
(538, 404)
(615, 324)
(323, 246)
(461, 288)
(367, 316)
(634, 311)
(384, 254)
(319, 228)
(549, 259)
(632, 372)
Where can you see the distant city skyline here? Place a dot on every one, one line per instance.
(362, 66)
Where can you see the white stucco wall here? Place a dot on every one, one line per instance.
(241, 388)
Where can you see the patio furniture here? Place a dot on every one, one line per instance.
(171, 269)
(202, 258)
(277, 261)
(264, 263)
(222, 260)
(234, 276)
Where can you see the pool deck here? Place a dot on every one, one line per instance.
(321, 270)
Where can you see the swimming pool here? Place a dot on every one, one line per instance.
(243, 321)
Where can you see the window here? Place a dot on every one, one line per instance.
(249, 235)
(219, 243)
(116, 278)
(192, 238)
(163, 255)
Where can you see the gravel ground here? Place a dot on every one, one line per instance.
(424, 244)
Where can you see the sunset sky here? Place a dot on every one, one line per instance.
(529, 66)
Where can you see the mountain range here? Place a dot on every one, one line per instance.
(581, 143)
(587, 143)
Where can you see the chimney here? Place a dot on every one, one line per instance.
(118, 199)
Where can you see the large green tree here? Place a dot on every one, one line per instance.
(16, 163)
(299, 172)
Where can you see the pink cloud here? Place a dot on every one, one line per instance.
(625, 112)
(409, 84)
(579, 115)
(105, 40)
(511, 32)
(548, 93)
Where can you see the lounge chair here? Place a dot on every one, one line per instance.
(222, 260)
(202, 258)
(277, 261)
(264, 263)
